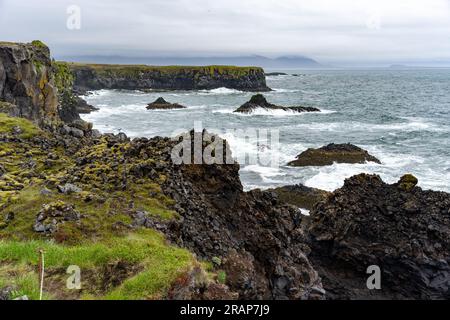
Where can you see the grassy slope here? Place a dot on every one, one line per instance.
(98, 240)
(160, 264)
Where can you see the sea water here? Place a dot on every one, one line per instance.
(402, 117)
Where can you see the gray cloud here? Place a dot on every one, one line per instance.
(343, 31)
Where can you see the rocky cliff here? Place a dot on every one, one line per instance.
(27, 82)
(140, 77)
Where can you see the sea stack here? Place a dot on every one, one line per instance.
(258, 101)
(161, 104)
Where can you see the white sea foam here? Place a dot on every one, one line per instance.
(280, 90)
(219, 91)
(346, 126)
(326, 111)
(97, 94)
(273, 113)
(263, 171)
(304, 212)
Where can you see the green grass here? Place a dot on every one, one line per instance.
(7, 124)
(162, 263)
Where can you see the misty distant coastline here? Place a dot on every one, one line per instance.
(283, 62)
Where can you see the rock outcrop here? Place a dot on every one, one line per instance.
(141, 77)
(402, 229)
(161, 104)
(27, 81)
(32, 86)
(258, 101)
(258, 238)
(327, 155)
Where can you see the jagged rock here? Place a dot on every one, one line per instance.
(51, 215)
(327, 155)
(72, 106)
(217, 217)
(300, 196)
(241, 274)
(35, 96)
(404, 232)
(259, 101)
(161, 104)
(69, 188)
(83, 107)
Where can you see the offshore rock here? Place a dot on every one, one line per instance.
(161, 104)
(327, 155)
(258, 101)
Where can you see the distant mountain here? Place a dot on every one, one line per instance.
(284, 62)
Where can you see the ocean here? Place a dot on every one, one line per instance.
(402, 117)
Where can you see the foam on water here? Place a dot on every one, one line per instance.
(408, 135)
(220, 91)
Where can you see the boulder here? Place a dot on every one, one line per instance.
(327, 155)
(404, 232)
(6, 293)
(53, 214)
(258, 101)
(161, 104)
(300, 196)
(69, 188)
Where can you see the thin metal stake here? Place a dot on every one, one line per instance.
(41, 272)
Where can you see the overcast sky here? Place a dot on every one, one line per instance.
(331, 31)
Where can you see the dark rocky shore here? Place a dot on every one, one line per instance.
(60, 180)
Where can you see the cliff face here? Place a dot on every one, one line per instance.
(27, 81)
(133, 77)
